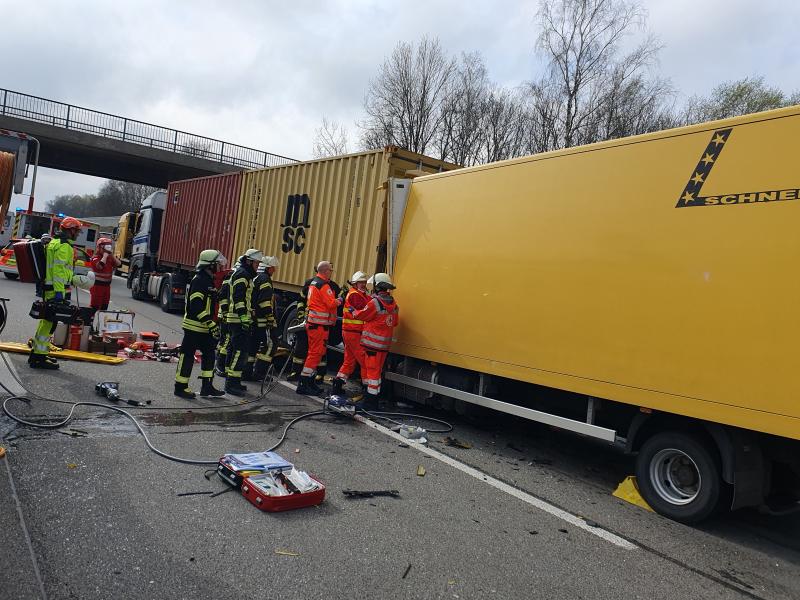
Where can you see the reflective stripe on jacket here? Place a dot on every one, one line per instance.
(354, 301)
(239, 298)
(224, 300)
(263, 309)
(380, 318)
(200, 303)
(321, 303)
(60, 258)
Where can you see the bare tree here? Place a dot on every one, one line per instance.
(503, 126)
(403, 103)
(590, 93)
(734, 98)
(330, 139)
(458, 138)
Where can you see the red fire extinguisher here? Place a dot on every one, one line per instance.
(75, 332)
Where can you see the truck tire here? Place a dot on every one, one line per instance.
(679, 476)
(165, 296)
(290, 321)
(137, 293)
(11, 275)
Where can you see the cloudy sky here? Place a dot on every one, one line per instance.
(263, 74)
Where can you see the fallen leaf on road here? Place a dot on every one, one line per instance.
(297, 450)
(421, 471)
(451, 441)
(287, 553)
(71, 465)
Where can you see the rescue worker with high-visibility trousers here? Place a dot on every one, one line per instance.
(321, 315)
(103, 263)
(261, 340)
(356, 299)
(200, 331)
(57, 287)
(224, 334)
(239, 319)
(301, 339)
(380, 317)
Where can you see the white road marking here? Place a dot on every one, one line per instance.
(496, 483)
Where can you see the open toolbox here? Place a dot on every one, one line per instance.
(269, 482)
(258, 490)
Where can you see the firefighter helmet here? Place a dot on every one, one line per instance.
(70, 223)
(211, 257)
(253, 254)
(270, 261)
(358, 276)
(382, 281)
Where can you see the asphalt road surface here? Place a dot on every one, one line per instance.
(87, 511)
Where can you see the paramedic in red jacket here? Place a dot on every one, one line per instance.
(380, 317)
(103, 264)
(356, 299)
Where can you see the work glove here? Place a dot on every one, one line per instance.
(214, 331)
(59, 297)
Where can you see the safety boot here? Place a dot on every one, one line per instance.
(233, 386)
(208, 389)
(260, 370)
(42, 361)
(307, 387)
(338, 386)
(183, 391)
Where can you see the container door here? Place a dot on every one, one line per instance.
(398, 197)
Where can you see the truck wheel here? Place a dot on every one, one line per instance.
(290, 321)
(679, 476)
(136, 286)
(165, 297)
(11, 275)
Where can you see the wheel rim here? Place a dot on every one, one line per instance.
(291, 337)
(675, 476)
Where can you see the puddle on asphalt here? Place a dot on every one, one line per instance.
(228, 417)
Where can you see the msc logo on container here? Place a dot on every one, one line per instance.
(294, 227)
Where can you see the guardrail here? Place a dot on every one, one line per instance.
(76, 118)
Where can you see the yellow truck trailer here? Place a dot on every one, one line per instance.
(643, 291)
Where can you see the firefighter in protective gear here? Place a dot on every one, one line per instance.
(224, 334)
(356, 299)
(320, 317)
(239, 320)
(262, 343)
(300, 339)
(200, 332)
(380, 317)
(60, 265)
(103, 263)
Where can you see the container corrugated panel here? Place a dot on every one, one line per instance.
(200, 213)
(330, 209)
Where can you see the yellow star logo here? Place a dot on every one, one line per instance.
(707, 159)
(718, 139)
(697, 178)
(687, 197)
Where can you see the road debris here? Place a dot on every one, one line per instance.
(355, 494)
(456, 443)
(421, 471)
(408, 568)
(287, 553)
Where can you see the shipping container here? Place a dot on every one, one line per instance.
(329, 209)
(200, 213)
(641, 291)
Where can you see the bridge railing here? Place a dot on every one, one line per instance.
(76, 118)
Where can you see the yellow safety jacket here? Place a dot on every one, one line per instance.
(200, 303)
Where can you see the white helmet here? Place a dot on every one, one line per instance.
(253, 254)
(382, 281)
(85, 282)
(270, 261)
(358, 276)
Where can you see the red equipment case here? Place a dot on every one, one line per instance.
(31, 260)
(262, 501)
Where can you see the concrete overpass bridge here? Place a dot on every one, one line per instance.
(90, 142)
